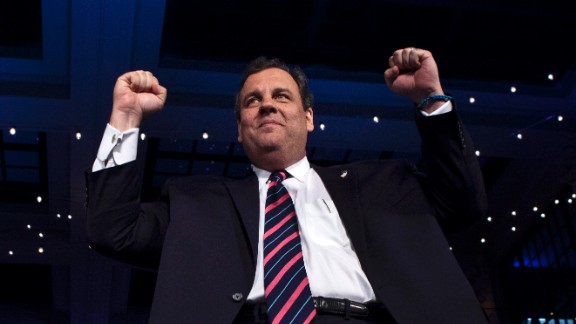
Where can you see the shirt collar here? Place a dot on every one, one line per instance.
(298, 170)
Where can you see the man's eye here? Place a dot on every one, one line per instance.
(251, 101)
(281, 96)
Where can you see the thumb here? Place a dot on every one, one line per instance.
(390, 74)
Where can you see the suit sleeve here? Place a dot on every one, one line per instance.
(450, 171)
(118, 225)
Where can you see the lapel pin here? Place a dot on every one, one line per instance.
(343, 173)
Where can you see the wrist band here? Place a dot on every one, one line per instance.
(433, 98)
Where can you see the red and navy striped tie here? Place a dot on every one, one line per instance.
(287, 291)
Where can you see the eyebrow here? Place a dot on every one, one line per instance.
(279, 90)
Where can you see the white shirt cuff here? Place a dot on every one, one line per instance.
(116, 148)
(445, 108)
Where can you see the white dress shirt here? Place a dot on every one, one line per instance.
(331, 264)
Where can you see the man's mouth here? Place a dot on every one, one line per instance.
(269, 123)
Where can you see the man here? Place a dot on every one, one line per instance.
(369, 232)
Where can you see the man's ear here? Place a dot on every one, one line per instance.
(309, 119)
(239, 131)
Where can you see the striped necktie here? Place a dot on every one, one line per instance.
(287, 292)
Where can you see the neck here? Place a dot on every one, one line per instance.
(273, 163)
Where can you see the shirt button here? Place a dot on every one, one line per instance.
(237, 296)
(113, 138)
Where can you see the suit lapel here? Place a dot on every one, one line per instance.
(244, 194)
(342, 185)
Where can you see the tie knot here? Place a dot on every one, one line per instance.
(279, 176)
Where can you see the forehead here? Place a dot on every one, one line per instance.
(269, 79)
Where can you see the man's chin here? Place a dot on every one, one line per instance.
(270, 148)
(262, 147)
(270, 141)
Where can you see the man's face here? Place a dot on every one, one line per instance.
(272, 119)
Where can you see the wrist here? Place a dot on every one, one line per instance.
(433, 100)
(123, 121)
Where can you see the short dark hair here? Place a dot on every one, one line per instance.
(262, 63)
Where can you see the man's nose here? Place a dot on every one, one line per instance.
(267, 106)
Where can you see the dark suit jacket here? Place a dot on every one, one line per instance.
(202, 233)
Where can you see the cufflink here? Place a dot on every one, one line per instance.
(237, 297)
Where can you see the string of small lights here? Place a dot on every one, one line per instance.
(519, 134)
